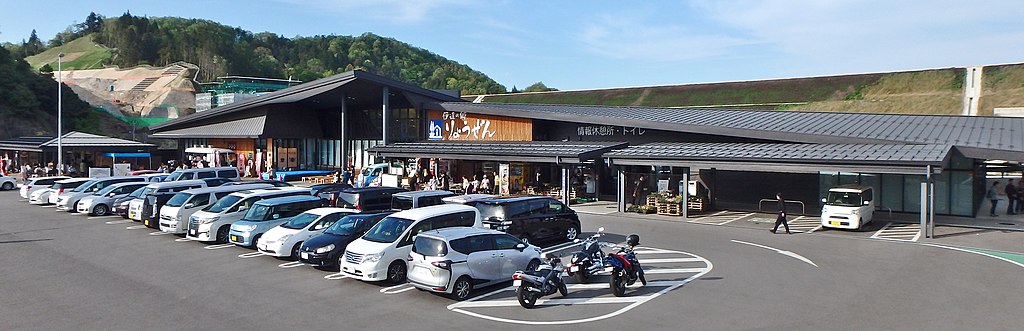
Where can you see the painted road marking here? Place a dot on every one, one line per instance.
(337, 276)
(250, 255)
(685, 259)
(135, 227)
(294, 264)
(181, 240)
(995, 255)
(558, 247)
(804, 224)
(630, 302)
(118, 222)
(219, 246)
(786, 253)
(598, 286)
(95, 217)
(898, 232)
(721, 218)
(159, 233)
(397, 289)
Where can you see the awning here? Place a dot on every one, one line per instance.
(251, 127)
(126, 155)
(514, 151)
(797, 158)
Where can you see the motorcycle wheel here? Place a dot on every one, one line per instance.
(526, 297)
(562, 289)
(582, 276)
(618, 284)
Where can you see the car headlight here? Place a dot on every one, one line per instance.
(374, 257)
(855, 212)
(208, 220)
(284, 237)
(245, 228)
(324, 249)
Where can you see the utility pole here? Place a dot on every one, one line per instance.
(60, 146)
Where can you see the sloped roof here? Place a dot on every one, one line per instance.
(975, 136)
(251, 127)
(529, 151)
(81, 139)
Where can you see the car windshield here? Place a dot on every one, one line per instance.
(84, 186)
(388, 230)
(346, 226)
(173, 176)
(223, 204)
(300, 221)
(845, 199)
(178, 199)
(489, 211)
(138, 192)
(107, 189)
(146, 192)
(258, 213)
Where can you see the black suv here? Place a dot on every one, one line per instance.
(365, 199)
(532, 219)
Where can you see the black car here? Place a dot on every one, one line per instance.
(365, 199)
(120, 205)
(325, 250)
(151, 208)
(532, 219)
(319, 188)
(276, 183)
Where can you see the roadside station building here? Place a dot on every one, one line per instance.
(738, 157)
(81, 150)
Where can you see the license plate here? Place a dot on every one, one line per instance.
(304, 255)
(834, 223)
(234, 238)
(131, 215)
(147, 222)
(517, 282)
(574, 268)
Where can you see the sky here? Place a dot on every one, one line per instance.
(572, 45)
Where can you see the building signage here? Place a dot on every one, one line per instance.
(459, 126)
(435, 130)
(607, 130)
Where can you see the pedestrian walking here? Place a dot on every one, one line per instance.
(782, 214)
(485, 185)
(1011, 198)
(993, 196)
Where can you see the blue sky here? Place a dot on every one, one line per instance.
(605, 44)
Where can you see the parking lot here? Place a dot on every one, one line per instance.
(73, 271)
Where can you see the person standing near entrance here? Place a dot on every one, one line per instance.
(1011, 198)
(639, 186)
(993, 196)
(782, 214)
(1020, 195)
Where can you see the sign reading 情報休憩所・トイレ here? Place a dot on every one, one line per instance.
(607, 130)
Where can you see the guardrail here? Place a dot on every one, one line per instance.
(803, 208)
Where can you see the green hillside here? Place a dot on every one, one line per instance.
(81, 53)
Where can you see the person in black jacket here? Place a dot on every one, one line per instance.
(1011, 198)
(782, 214)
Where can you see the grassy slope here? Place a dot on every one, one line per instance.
(1003, 87)
(81, 53)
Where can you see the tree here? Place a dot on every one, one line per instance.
(46, 68)
(33, 46)
(93, 23)
(538, 87)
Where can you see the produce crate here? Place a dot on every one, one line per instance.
(695, 205)
(652, 201)
(670, 209)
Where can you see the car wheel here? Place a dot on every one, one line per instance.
(100, 210)
(571, 233)
(396, 272)
(532, 266)
(295, 250)
(255, 240)
(462, 288)
(525, 239)
(222, 234)
(7, 186)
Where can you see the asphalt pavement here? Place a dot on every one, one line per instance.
(70, 271)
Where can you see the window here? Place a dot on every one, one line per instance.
(466, 218)
(504, 241)
(186, 176)
(430, 201)
(221, 195)
(401, 203)
(227, 173)
(555, 208)
(430, 247)
(538, 207)
(518, 209)
(328, 220)
(206, 174)
(417, 229)
(200, 200)
(473, 244)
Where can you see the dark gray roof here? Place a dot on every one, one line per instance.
(251, 127)
(895, 154)
(81, 139)
(303, 91)
(527, 151)
(973, 135)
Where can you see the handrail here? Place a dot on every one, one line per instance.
(803, 207)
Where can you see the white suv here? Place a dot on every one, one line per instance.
(455, 260)
(848, 207)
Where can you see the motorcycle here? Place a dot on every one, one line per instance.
(545, 280)
(624, 267)
(586, 262)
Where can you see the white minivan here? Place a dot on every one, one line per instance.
(380, 254)
(135, 206)
(175, 213)
(848, 207)
(213, 222)
(204, 173)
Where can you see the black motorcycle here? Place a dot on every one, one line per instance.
(586, 262)
(624, 268)
(534, 284)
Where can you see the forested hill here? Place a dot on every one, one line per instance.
(28, 103)
(220, 50)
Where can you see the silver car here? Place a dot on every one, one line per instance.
(68, 200)
(102, 203)
(455, 260)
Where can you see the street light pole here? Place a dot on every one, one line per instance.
(60, 146)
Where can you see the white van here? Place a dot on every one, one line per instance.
(848, 207)
(135, 206)
(175, 213)
(204, 173)
(213, 222)
(380, 254)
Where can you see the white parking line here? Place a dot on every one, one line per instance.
(683, 259)
(598, 286)
(95, 217)
(673, 271)
(558, 247)
(118, 222)
(786, 253)
(219, 246)
(250, 255)
(736, 219)
(135, 227)
(159, 233)
(181, 240)
(337, 276)
(554, 301)
(293, 264)
(898, 232)
(397, 289)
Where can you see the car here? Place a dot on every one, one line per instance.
(328, 248)
(67, 201)
(366, 199)
(135, 206)
(102, 202)
(144, 172)
(267, 214)
(468, 199)
(120, 205)
(417, 199)
(7, 183)
(275, 183)
(334, 187)
(151, 208)
(154, 178)
(286, 239)
(531, 219)
(848, 207)
(174, 215)
(457, 260)
(214, 222)
(39, 183)
(380, 253)
(203, 173)
(49, 196)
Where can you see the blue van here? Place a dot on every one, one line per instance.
(267, 214)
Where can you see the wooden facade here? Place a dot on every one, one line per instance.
(477, 127)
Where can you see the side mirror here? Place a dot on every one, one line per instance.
(190, 205)
(600, 229)
(823, 200)
(520, 247)
(867, 202)
(111, 194)
(243, 208)
(275, 216)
